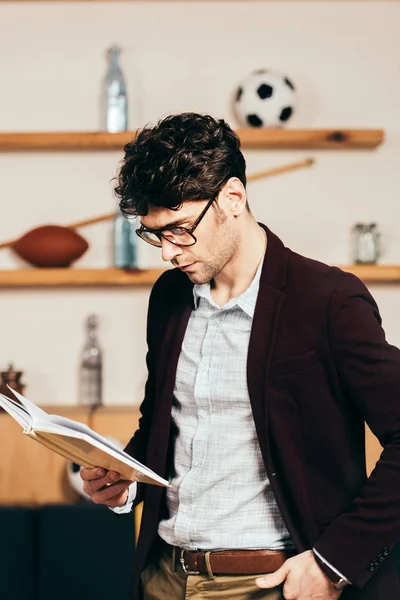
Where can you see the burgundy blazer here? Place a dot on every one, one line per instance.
(318, 368)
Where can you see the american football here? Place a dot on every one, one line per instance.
(50, 246)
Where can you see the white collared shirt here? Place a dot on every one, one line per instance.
(220, 495)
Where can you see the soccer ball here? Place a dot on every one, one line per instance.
(74, 470)
(265, 98)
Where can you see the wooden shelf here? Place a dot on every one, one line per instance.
(374, 273)
(77, 277)
(250, 138)
(310, 138)
(23, 278)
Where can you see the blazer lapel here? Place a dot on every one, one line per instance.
(262, 338)
(265, 324)
(170, 348)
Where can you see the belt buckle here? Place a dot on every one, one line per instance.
(185, 569)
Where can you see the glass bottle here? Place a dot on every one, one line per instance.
(115, 107)
(125, 242)
(367, 249)
(91, 366)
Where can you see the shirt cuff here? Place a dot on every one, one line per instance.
(127, 507)
(331, 566)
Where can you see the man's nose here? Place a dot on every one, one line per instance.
(169, 250)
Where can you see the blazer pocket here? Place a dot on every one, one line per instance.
(292, 365)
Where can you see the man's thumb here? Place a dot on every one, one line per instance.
(273, 579)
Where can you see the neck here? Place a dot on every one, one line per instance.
(238, 274)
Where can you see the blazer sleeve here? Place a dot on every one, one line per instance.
(137, 446)
(359, 540)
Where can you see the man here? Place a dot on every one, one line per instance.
(262, 367)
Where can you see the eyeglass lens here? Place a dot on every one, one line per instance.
(183, 238)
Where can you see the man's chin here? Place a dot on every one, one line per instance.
(197, 278)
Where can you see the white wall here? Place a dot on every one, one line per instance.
(344, 57)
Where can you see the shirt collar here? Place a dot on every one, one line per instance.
(246, 301)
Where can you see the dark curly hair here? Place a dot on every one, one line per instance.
(183, 157)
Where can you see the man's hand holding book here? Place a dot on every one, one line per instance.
(105, 487)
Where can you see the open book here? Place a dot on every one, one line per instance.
(76, 441)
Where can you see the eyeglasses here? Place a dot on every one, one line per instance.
(180, 236)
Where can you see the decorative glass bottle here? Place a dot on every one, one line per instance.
(91, 366)
(125, 242)
(367, 250)
(114, 95)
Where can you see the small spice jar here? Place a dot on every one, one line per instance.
(366, 244)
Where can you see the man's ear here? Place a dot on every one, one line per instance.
(235, 195)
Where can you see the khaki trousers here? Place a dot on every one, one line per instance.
(161, 582)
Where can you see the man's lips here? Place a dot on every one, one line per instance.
(185, 267)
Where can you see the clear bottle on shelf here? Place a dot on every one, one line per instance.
(125, 242)
(367, 246)
(115, 108)
(91, 367)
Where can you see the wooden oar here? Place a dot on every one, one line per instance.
(260, 175)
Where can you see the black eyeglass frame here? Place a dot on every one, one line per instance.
(159, 232)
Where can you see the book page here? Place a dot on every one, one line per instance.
(84, 429)
(86, 451)
(32, 409)
(71, 428)
(75, 440)
(16, 404)
(85, 454)
(16, 411)
(41, 418)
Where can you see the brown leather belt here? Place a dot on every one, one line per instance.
(229, 562)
